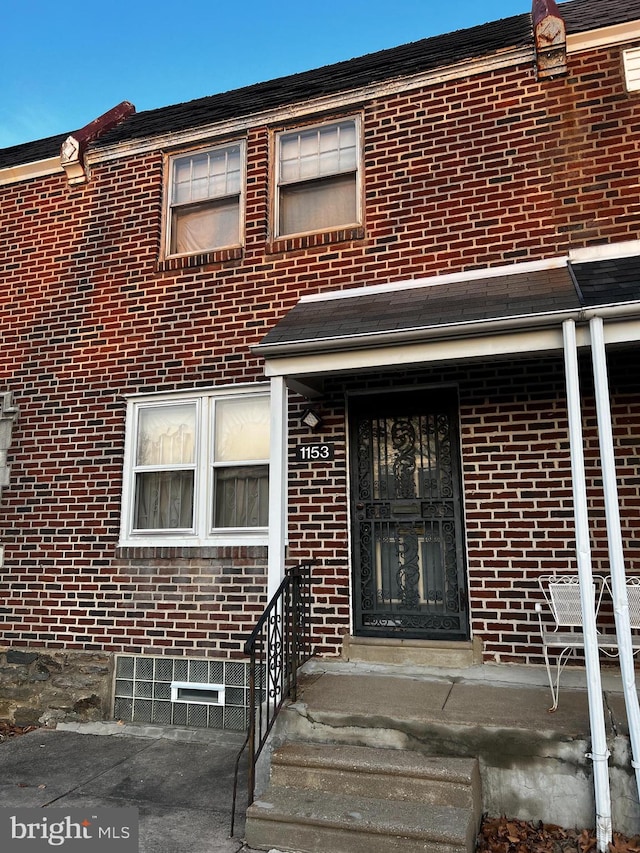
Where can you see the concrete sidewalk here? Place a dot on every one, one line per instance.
(180, 780)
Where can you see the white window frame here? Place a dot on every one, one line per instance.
(202, 533)
(279, 136)
(170, 206)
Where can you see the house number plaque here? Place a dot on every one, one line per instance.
(323, 452)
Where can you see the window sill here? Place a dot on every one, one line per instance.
(221, 540)
(309, 241)
(204, 259)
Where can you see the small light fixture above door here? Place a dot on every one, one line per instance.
(311, 419)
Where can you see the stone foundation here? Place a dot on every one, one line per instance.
(44, 687)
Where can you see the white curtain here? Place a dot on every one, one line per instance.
(203, 227)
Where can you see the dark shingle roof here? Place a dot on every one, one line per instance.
(31, 152)
(609, 282)
(582, 15)
(420, 56)
(402, 61)
(421, 309)
(425, 307)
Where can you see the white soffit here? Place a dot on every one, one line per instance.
(411, 354)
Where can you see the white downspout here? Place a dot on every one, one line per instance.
(614, 533)
(277, 485)
(599, 752)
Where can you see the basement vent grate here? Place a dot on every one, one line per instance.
(181, 692)
(203, 694)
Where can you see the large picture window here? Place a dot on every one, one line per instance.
(318, 178)
(197, 469)
(205, 200)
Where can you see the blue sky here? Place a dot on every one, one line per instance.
(62, 64)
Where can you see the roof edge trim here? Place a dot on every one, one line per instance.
(73, 148)
(28, 171)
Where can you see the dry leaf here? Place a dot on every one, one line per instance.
(502, 835)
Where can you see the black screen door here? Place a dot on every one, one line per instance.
(408, 552)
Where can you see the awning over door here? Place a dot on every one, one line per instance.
(486, 313)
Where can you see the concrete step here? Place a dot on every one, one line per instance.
(308, 821)
(357, 799)
(397, 652)
(378, 773)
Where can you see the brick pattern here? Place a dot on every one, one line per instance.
(464, 174)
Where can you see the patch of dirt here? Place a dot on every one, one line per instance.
(507, 835)
(8, 730)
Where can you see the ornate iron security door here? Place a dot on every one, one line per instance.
(409, 577)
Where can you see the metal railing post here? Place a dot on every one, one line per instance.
(279, 644)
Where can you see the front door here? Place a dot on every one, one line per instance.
(408, 547)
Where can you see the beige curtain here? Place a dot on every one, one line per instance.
(318, 205)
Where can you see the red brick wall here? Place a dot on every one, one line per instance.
(482, 171)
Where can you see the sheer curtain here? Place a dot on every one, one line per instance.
(164, 493)
(170, 480)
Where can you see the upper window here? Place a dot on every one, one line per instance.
(318, 178)
(205, 200)
(197, 469)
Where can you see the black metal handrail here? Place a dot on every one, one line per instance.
(278, 646)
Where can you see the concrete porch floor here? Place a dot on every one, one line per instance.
(534, 764)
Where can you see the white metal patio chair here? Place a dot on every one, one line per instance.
(633, 598)
(562, 595)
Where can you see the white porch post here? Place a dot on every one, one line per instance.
(599, 752)
(278, 509)
(614, 535)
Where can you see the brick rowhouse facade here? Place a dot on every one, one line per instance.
(481, 169)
